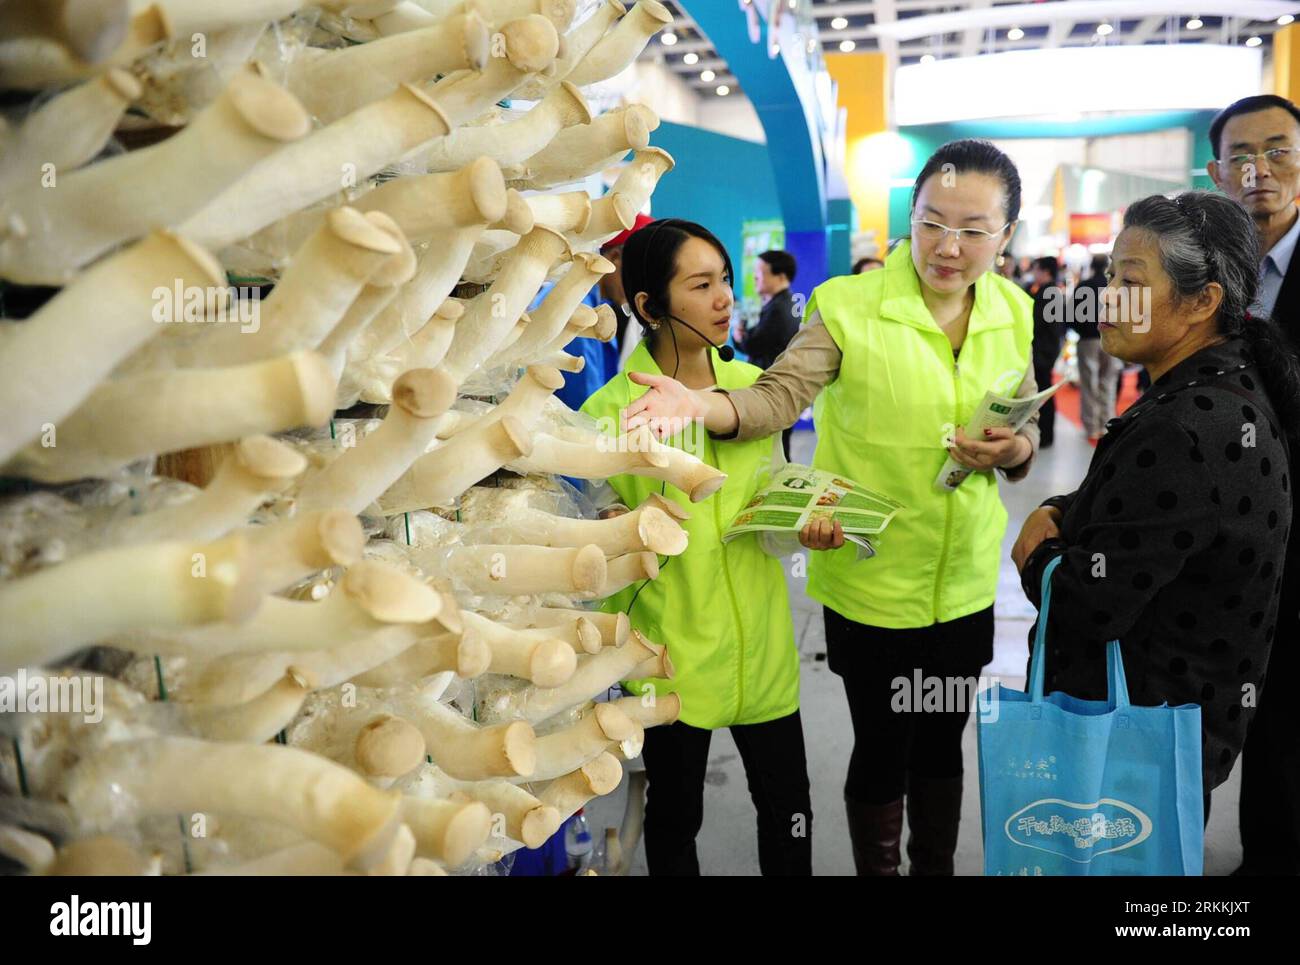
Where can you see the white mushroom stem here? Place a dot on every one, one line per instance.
(307, 858)
(370, 596)
(595, 733)
(449, 831)
(636, 452)
(185, 17)
(564, 211)
(531, 44)
(663, 709)
(595, 675)
(54, 231)
(405, 16)
(336, 82)
(577, 44)
(68, 131)
(512, 142)
(428, 346)
(536, 656)
(162, 586)
(395, 653)
(174, 775)
(315, 292)
(498, 12)
(610, 215)
(526, 570)
(526, 818)
(438, 477)
(89, 31)
(625, 570)
(647, 528)
(32, 851)
(586, 630)
(490, 317)
(577, 152)
(348, 151)
(589, 324)
(388, 747)
(623, 44)
(256, 721)
(638, 180)
(429, 204)
(465, 655)
(103, 855)
(467, 751)
(107, 313)
(584, 461)
(136, 416)
(259, 467)
(527, 400)
(558, 307)
(361, 474)
(569, 792)
(293, 549)
(565, 362)
(438, 268)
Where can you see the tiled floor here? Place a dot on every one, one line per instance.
(727, 842)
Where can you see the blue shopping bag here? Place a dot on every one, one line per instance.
(1088, 787)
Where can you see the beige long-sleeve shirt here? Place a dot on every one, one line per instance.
(811, 360)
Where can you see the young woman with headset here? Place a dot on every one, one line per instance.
(721, 609)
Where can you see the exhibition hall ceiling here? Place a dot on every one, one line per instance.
(914, 31)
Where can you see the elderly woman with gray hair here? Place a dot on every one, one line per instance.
(1174, 542)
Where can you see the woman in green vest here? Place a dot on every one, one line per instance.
(721, 609)
(897, 360)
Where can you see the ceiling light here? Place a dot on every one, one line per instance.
(723, 90)
(1104, 28)
(846, 46)
(668, 39)
(1285, 19)
(707, 75)
(1253, 41)
(927, 58)
(691, 59)
(839, 23)
(1195, 23)
(1015, 33)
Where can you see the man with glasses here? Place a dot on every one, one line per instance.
(1256, 143)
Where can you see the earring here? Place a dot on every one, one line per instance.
(1002, 259)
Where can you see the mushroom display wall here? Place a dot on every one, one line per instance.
(311, 550)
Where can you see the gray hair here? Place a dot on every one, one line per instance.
(1203, 238)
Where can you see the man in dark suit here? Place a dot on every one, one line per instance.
(1256, 143)
(777, 322)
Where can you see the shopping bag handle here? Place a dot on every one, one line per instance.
(1116, 682)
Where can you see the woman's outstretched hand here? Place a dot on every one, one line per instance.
(667, 408)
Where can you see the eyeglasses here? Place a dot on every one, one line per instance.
(1277, 157)
(933, 231)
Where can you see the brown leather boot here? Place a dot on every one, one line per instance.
(876, 832)
(933, 816)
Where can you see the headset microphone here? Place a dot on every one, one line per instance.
(725, 352)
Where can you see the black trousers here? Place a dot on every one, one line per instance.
(776, 768)
(1270, 762)
(888, 744)
(1047, 414)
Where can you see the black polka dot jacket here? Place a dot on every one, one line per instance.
(1174, 544)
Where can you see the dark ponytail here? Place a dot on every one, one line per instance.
(1207, 237)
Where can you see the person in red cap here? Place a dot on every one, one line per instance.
(611, 285)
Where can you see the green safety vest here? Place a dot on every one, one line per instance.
(882, 422)
(722, 610)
